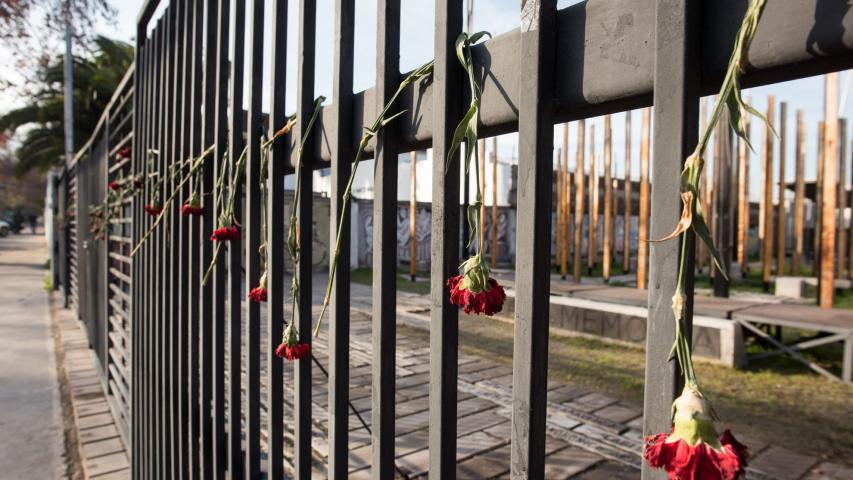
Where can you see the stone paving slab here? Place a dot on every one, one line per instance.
(102, 451)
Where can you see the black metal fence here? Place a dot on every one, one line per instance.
(195, 389)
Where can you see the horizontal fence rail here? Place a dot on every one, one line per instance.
(190, 366)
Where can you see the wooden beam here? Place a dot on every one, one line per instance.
(799, 196)
(722, 201)
(643, 221)
(767, 220)
(580, 164)
(821, 133)
(781, 215)
(564, 204)
(413, 213)
(592, 216)
(842, 199)
(826, 287)
(743, 200)
(494, 256)
(608, 200)
(628, 206)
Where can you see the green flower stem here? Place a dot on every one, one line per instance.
(195, 166)
(691, 176)
(423, 71)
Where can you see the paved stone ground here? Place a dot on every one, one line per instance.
(31, 431)
(590, 435)
(101, 450)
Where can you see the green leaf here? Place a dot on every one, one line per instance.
(461, 132)
(702, 231)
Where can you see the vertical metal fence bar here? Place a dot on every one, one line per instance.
(251, 226)
(676, 100)
(151, 253)
(339, 318)
(195, 266)
(235, 260)
(218, 277)
(145, 256)
(139, 86)
(175, 243)
(275, 240)
(304, 110)
(444, 316)
(183, 250)
(165, 259)
(536, 144)
(206, 345)
(384, 329)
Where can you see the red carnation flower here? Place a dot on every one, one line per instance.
(224, 234)
(188, 209)
(474, 290)
(300, 350)
(694, 451)
(124, 152)
(258, 294)
(114, 185)
(137, 183)
(153, 209)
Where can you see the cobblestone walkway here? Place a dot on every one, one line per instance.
(590, 435)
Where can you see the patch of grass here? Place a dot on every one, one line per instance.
(48, 283)
(364, 276)
(774, 401)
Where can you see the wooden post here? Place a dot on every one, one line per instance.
(826, 287)
(580, 162)
(608, 199)
(781, 216)
(626, 191)
(821, 133)
(592, 217)
(558, 225)
(743, 200)
(842, 199)
(481, 179)
(701, 251)
(564, 204)
(494, 256)
(643, 221)
(722, 201)
(413, 212)
(799, 196)
(767, 221)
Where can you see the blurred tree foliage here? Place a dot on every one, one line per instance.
(38, 125)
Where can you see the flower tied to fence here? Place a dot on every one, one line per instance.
(291, 348)
(423, 71)
(693, 449)
(228, 228)
(155, 208)
(474, 291)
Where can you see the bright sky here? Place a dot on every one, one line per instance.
(496, 16)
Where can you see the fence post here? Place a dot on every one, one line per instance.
(444, 316)
(676, 100)
(533, 281)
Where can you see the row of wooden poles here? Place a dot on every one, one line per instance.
(725, 199)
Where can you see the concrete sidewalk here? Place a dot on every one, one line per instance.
(31, 428)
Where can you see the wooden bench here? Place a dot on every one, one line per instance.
(832, 325)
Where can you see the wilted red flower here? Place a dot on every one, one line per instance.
(188, 209)
(258, 294)
(488, 301)
(153, 209)
(694, 451)
(137, 183)
(114, 185)
(224, 234)
(124, 153)
(300, 350)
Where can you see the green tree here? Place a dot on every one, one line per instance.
(40, 124)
